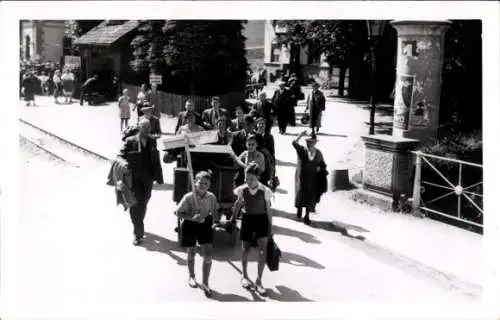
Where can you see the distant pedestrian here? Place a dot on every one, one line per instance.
(44, 83)
(68, 82)
(315, 104)
(56, 79)
(296, 96)
(154, 100)
(309, 176)
(143, 159)
(282, 101)
(88, 90)
(254, 199)
(197, 211)
(124, 107)
(29, 83)
(264, 109)
(141, 99)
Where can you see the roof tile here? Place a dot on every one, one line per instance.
(106, 35)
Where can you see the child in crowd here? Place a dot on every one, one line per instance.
(254, 199)
(196, 210)
(124, 107)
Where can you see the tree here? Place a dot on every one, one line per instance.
(205, 57)
(148, 49)
(77, 28)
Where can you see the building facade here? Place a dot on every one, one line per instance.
(277, 56)
(42, 40)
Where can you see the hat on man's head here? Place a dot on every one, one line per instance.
(315, 84)
(146, 108)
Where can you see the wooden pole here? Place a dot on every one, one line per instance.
(190, 168)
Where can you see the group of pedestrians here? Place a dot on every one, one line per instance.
(146, 104)
(60, 84)
(250, 136)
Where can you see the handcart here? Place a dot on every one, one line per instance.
(205, 156)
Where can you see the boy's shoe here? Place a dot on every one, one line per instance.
(192, 282)
(206, 290)
(307, 221)
(260, 288)
(245, 283)
(137, 241)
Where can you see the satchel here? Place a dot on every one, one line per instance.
(273, 255)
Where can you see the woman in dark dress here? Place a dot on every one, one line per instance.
(309, 164)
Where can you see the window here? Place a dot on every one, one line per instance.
(313, 54)
(275, 52)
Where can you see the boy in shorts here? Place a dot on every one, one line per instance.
(197, 225)
(255, 200)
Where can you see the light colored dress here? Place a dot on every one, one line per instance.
(68, 81)
(124, 106)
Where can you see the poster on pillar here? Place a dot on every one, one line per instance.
(419, 116)
(403, 101)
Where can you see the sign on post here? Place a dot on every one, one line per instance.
(155, 79)
(72, 62)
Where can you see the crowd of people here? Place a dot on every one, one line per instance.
(249, 134)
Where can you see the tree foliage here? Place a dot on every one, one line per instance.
(77, 28)
(195, 57)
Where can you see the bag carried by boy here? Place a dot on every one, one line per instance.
(273, 255)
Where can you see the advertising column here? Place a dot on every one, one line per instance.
(418, 78)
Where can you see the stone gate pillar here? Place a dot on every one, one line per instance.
(418, 78)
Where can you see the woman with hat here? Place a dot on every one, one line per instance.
(309, 165)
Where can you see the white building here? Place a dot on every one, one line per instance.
(278, 55)
(42, 40)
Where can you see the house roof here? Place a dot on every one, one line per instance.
(105, 34)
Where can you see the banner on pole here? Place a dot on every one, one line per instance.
(403, 100)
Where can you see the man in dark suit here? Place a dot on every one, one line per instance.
(143, 160)
(88, 88)
(211, 115)
(239, 143)
(264, 109)
(282, 102)
(238, 123)
(147, 111)
(182, 119)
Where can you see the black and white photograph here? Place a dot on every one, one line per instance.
(202, 160)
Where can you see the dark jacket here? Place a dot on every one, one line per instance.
(239, 143)
(321, 181)
(236, 125)
(145, 169)
(207, 117)
(263, 109)
(91, 85)
(282, 102)
(155, 125)
(181, 120)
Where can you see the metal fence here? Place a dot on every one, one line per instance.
(434, 190)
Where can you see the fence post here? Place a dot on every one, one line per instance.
(417, 184)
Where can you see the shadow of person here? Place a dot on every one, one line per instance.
(153, 242)
(299, 261)
(306, 237)
(227, 297)
(284, 214)
(285, 163)
(163, 187)
(331, 135)
(339, 227)
(281, 191)
(286, 294)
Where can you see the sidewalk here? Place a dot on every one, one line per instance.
(450, 256)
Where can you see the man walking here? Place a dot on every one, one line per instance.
(143, 160)
(316, 105)
(282, 102)
(88, 88)
(264, 109)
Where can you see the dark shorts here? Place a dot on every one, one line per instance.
(192, 232)
(254, 227)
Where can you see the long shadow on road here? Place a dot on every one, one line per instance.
(443, 279)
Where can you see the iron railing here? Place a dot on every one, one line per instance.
(465, 194)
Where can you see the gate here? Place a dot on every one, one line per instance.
(458, 195)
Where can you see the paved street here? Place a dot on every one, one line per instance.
(76, 245)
